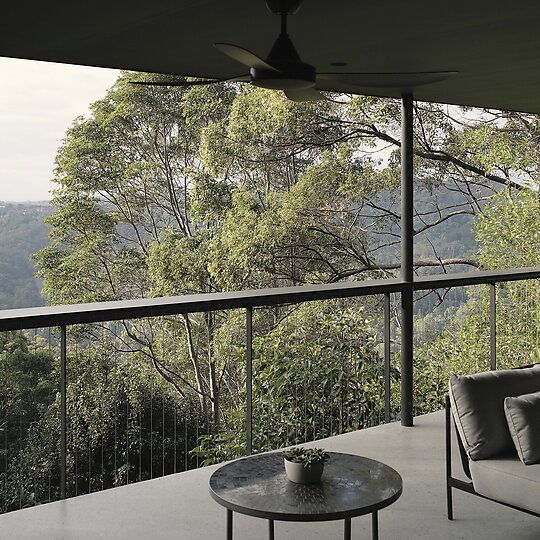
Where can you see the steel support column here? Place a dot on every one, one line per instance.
(249, 381)
(493, 325)
(63, 410)
(407, 259)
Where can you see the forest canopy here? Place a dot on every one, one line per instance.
(171, 191)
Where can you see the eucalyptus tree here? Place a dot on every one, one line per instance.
(222, 187)
(124, 179)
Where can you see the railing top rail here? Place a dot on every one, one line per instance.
(461, 279)
(16, 319)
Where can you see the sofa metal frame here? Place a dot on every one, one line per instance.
(456, 483)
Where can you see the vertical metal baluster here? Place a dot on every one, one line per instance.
(493, 325)
(114, 329)
(387, 358)
(186, 464)
(140, 440)
(208, 422)
(162, 435)
(174, 435)
(102, 457)
(152, 431)
(102, 431)
(323, 402)
(331, 403)
(89, 464)
(127, 437)
(63, 410)
(314, 402)
(341, 403)
(6, 462)
(305, 409)
(295, 413)
(76, 471)
(19, 471)
(358, 375)
(75, 446)
(249, 380)
(351, 415)
(115, 445)
(197, 440)
(534, 301)
(268, 414)
(288, 434)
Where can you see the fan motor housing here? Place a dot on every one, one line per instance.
(303, 76)
(284, 6)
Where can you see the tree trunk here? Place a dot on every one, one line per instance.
(194, 360)
(214, 387)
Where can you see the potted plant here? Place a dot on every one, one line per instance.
(304, 465)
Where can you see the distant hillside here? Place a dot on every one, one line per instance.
(452, 238)
(22, 233)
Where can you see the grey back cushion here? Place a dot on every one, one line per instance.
(478, 407)
(523, 417)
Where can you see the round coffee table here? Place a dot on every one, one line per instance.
(351, 486)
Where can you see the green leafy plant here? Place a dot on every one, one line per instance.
(307, 456)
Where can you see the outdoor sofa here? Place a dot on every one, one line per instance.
(497, 419)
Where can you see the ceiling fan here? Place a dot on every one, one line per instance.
(284, 70)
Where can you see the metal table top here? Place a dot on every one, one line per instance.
(351, 486)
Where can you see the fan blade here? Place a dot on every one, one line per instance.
(388, 80)
(243, 56)
(242, 78)
(304, 94)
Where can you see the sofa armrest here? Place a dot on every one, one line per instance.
(462, 453)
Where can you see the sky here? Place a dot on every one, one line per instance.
(38, 102)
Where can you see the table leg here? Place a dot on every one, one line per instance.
(374, 526)
(229, 525)
(347, 529)
(270, 529)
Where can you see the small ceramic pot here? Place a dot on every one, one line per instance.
(302, 474)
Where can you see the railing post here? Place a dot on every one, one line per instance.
(63, 410)
(387, 357)
(407, 232)
(249, 380)
(493, 325)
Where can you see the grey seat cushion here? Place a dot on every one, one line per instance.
(523, 417)
(506, 479)
(478, 407)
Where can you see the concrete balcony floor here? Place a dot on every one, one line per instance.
(179, 507)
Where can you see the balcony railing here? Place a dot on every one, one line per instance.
(71, 315)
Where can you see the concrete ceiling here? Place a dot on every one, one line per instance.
(494, 45)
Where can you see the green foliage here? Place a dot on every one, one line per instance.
(508, 230)
(172, 191)
(507, 235)
(121, 423)
(124, 176)
(317, 374)
(178, 264)
(28, 390)
(307, 456)
(209, 199)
